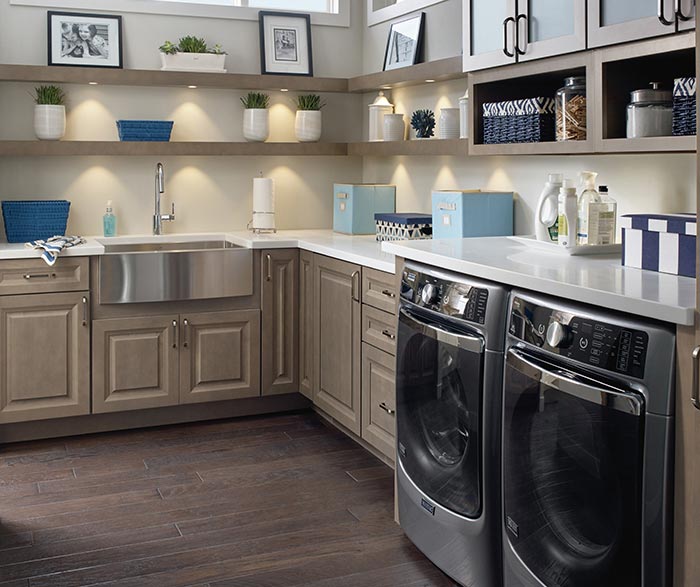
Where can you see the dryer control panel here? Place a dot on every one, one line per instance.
(586, 340)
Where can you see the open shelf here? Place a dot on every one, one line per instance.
(440, 70)
(425, 147)
(192, 149)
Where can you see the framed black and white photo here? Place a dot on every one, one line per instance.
(285, 43)
(405, 42)
(86, 40)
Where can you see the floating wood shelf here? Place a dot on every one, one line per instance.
(440, 70)
(649, 145)
(425, 147)
(192, 149)
(546, 148)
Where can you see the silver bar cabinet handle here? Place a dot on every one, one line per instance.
(355, 297)
(39, 275)
(85, 311)
(387, 409)
(661, 15)
(505, 36)
(389, 294)
(186, 333)
(268, 258)
(176, 334)
(679, 12)
(517, 33)
(695, 392)
(390, 335)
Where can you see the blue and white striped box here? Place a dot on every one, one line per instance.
(660, 242)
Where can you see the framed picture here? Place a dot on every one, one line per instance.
(285, 43)
(405, 42)
(85, 40)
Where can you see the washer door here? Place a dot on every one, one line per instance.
(572, 475)
(438, 394)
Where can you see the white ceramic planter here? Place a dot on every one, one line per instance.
(256, 124)
(307, 126)
(207, 62)
(448, 125)
(49, 122)
(394, 127)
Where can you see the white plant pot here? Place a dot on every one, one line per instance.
(49, 122)
(207, 62)
(256, 124)
(307, 126)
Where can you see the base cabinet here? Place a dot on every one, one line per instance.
(44, 356)
(379, 399)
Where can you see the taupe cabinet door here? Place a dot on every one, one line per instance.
(337, 310)
(306, 323)
(220, 356)
(379, 399)
(134, 363)
(280, 321)
(44, 356)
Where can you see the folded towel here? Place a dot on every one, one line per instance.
(53, 246)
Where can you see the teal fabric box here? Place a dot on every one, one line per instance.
(461, 214)
(354, 206)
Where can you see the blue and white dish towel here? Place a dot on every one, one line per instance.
(53, 246)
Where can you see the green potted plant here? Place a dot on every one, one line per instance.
(192, 54)
(256, 119)
(307, 125)
(49, 113)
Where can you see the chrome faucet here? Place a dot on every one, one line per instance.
(159, 218)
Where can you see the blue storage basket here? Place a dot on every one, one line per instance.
(145, 130)
(29, 220)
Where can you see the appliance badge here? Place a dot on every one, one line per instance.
(428, 507)
(512, 526)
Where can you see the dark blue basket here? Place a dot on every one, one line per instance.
(145, 130)
(524, 128)
(30, 220)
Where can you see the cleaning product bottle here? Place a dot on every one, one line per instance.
(546, 215)
(109, 221)
(567, 214)
(607, 221)
(588, 210)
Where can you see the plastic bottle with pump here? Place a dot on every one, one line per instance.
(109, 221)
(588, 210)
(546, 215)
(567, 214)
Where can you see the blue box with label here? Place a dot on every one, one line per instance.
(467, 213)
(354, 206)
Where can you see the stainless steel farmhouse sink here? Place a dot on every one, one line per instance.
(163, 271)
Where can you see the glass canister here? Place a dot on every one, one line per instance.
(571, 110)
(377, 110)
(650, 112)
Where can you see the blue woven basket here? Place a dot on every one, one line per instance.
(145, 130)
(530, 120)
(29, 220)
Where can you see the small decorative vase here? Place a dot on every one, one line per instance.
(307, 126)
(464, 116)
(377, 110)
(394, 127)
(49, 122)
(448, 127)
(256, 124)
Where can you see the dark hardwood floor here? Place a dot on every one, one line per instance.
(255, 502)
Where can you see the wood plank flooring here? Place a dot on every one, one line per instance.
(255, 502)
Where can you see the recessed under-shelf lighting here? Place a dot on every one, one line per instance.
(192, 87)
(92, 83)
(385, 87)
(429, 81)
(284, 90)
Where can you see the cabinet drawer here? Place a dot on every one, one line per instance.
(379, 329)
(378, 290)
(379, 399)
(27, 276)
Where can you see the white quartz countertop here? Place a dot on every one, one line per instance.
(19, 251)
(598, 280)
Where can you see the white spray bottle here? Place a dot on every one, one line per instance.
(546, 214)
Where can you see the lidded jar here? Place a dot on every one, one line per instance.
(377, 110)
(571, 110)
(650, 112)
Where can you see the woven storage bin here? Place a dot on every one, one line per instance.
(145, 130)
(519, 121)
(29, 220)
(404, 226)
(684, 117)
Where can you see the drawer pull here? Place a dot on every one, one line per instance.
(388, 293)
(387, 409)
(85, 311)
(39, 276)
(390, 335)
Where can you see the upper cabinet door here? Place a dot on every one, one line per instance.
(685, 12)
(550, 27)
(619, 21)
(489, 33)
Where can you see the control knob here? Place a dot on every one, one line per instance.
(558, 335)
(429, 293)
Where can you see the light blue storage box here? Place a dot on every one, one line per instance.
(354, 206)
(461, 214)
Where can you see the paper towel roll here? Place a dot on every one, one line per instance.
(263, 195)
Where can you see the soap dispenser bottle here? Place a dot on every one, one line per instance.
(546, 215)
(109, 221)
(588, 210)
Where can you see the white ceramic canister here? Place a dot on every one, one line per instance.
(49, 122)
(448, 125)
(256, 124)
(394, 127)
(307, 126)
(377, 110)
(464, 116)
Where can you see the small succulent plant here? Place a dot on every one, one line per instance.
(169, 48)
(190, 44)
(255, 100)
(423, 122)
(309, 102)
(217, 50)
(49, 95)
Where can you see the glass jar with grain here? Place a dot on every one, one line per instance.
(571, 110)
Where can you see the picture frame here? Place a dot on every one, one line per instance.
(404, 45)
(285, 43)
(84, 40)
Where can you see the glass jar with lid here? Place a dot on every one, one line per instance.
(571, 110)
(650, 112)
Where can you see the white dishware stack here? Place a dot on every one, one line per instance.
(263, 205)
(394, 127)
(464, 116)
(448, 126)
(256, 124)
(377, 110)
